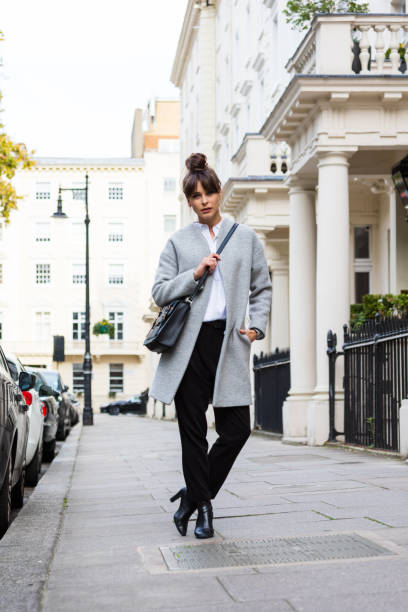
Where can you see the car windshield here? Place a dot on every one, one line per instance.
(53, 379)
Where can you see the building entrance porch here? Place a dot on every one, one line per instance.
(347, 238)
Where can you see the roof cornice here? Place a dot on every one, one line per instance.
(191, 19)
(88, 163)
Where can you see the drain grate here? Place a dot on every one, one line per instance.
(270, 551)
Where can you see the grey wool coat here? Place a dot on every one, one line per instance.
(246, 278)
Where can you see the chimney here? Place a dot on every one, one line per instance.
(137, 134)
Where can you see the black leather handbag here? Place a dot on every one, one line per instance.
(167, 327)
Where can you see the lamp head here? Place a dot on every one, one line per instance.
(59, 214)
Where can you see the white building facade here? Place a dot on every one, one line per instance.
(133, 207)
(304, 141)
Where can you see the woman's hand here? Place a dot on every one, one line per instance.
(251, 333)
(208, 262)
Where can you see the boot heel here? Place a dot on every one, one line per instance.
(176, 496)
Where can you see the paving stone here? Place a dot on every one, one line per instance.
(117, 516)
(131, 591)
(336, 579)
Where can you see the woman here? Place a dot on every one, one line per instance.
(210, 362)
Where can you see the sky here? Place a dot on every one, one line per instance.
(74, 71)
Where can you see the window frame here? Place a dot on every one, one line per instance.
(75, 372)
(111, 379)
(116, 189)
(363, 264)
(109, 275)
(80, 322)
(36, 273)
(116, 324)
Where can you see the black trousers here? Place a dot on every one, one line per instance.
(205, 472)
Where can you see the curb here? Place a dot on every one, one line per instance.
(27, 548)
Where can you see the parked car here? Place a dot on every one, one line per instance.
(75, 407)
(54, 380)
(135, 403)
(49, 406)
(13, 439)
(36, 424)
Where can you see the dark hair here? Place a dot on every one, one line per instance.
(199, 170)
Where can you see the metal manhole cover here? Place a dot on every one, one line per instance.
(270, 551)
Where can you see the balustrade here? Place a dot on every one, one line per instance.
(353, 44)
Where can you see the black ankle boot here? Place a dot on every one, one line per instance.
(186, 509)
(204, 525)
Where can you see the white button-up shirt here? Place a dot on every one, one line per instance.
(216, 308)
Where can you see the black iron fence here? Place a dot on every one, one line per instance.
(375, 382)
(272, 383)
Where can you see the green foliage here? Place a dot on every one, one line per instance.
(386, 305)
(104, 327)
(401, 51)
(300, 13)
(12, 157)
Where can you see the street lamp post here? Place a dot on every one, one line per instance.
(87, 417)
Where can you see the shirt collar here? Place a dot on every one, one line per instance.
(204, 226)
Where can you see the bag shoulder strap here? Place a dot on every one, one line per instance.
(201, 282)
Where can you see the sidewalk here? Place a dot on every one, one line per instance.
(115, 540)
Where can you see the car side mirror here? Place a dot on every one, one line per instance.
(65, 388)
(13, 370)
(45, 390)
(26, 381)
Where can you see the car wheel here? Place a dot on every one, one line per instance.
(17, 493)
(5, 500)
(34, 468)
(114, 410)
(61, 430)
(49, 451)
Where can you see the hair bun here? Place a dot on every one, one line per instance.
(196, 162)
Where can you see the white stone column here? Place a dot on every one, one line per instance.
(393, 240)
(332, 279)
(280, 309)
(206, 75)
(302, 281)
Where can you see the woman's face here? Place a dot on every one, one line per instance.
(206, 205)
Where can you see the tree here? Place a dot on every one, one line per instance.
(300, 13)
(12, 157)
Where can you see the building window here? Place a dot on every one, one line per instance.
(78, 274)
(115, 232)
(169, 184)
(78, 326)
(169, 223)
(362, 262)
(115, 191)
(77, 378)
(43, 231)
(43, 325)
(115, 377)
(42, 191)
(116, 274)
(43, 274)
(116, 318)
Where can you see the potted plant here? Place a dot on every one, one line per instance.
(104, 327)
(401, 52)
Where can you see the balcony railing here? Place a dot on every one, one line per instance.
(350, 44)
